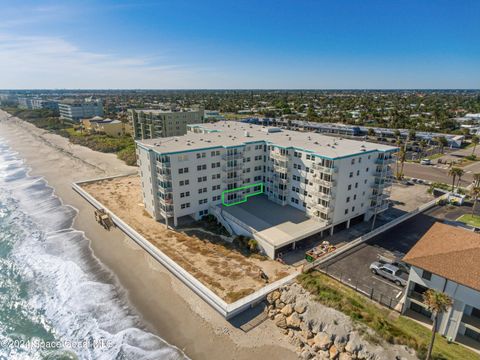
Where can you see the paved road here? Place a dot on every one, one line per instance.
(436, 174)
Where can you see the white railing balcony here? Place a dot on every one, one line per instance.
(280, 169)
(233, 179)
(164, 177)
(321, 195)
(233, 156)
(279, 157)
(232, 167)
(324, 169)
(325, 183)
(385, 161)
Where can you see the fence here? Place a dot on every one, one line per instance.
(225, 309)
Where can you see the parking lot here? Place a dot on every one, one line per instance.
(353, 267)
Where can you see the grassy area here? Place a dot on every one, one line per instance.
(123, 146)
(435, 156)
(387, 324)
(470, 219)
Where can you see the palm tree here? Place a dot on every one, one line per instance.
(459, 175)
(475, 141)
(438, 303)
(474, 193)
(454, 172)
(476, 179)
(442, 141)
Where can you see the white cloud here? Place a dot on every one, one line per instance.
(53, 62)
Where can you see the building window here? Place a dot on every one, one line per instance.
(348, 199)
(351, 174)
(349, 187)
(427, 275)
(346, 211)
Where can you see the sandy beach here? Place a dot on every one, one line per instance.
(169, 308)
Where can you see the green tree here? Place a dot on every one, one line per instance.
(442, 142)
(437, 303)
(474, 193)
(454, 172)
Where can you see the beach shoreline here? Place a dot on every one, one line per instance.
(169, 308)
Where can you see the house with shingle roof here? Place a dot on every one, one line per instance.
(447, 259)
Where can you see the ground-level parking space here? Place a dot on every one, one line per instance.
(353, 267)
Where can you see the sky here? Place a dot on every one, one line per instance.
(241, 44)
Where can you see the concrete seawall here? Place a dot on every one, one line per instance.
(225, 309)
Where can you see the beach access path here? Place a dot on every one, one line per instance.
(169, 308)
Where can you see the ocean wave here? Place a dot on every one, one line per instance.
(52, 284)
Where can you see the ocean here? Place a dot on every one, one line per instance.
(57, 301)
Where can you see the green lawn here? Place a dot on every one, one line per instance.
(387, 324)
(470, 219)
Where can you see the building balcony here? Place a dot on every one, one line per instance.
(230, 180)
(328, 184)
(471, 321)
(164, 177)
(416, 296)
(233, 156)
(385, 161)
(280, 180)
(315, 205)
(164, 187)
(280, 169)
(232, 168)
(163, 165)
(279, 157)
(321, 195)
(324, 169)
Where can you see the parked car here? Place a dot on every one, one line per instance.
(390, 272)
(426, 162)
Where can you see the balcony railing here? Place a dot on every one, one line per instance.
(279, 157)
(280, 169)
(324, 169)
(232, 167)
(237, 178)
(233, 156)
(385, 161)
(325, 183)
(321, 195)
(164, 177)
(416, 296)
(473, 321)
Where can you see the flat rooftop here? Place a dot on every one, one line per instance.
(162, 111)
(231, 133)
(276, 224)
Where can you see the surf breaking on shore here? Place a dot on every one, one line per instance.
(53, 288)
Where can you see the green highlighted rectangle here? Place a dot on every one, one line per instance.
(246, 196)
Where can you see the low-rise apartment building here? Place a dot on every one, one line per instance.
(151, 124)
(220, 165)
(38, 104)
(447, 259)
(75, 110)
(99, 125)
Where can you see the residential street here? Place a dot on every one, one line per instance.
(437, 174)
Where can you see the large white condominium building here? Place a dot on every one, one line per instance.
(75, 110)
(312, 181)
(151, 124)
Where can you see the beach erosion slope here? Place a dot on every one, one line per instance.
(168, 308)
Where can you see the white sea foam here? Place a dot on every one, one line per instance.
(77, 297)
